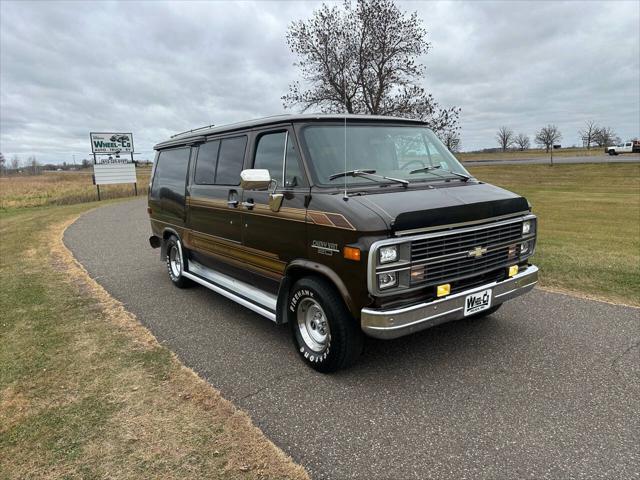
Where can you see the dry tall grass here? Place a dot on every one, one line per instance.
(62, 188)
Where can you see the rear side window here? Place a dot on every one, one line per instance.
(206, 163)
(171, 171)
(230, 160)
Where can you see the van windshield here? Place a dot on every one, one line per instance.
(399, 152)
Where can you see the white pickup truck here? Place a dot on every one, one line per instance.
(626, 147)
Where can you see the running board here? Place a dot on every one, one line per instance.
(240, 292)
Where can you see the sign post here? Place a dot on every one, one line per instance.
(113, 169)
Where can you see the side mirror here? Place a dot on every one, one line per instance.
(255, 179)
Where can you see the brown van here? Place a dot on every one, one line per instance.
(340, 226)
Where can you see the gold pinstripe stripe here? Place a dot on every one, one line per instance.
(326, 219)
(245, 255)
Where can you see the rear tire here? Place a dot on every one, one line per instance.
(324, 332)
(176, 262)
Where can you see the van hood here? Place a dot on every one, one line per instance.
(432, 207)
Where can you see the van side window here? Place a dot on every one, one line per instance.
(230, 160)
(269, 154)
(206, 163)
(171, 172)
(293, 175)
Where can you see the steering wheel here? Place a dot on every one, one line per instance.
(420, 162)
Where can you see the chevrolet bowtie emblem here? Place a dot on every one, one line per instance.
(477, 252)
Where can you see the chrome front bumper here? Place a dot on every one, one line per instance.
(395, 323)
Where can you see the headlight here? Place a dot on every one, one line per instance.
(387, 280)
(526, 227)
(389, 254)
(526, 248)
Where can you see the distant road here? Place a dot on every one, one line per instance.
(626, 158)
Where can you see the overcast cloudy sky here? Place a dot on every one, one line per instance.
(158, 68)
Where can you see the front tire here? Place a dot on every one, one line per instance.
(176, 262)
(324, 332)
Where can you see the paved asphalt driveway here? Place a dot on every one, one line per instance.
(548, 387)
(624, 158)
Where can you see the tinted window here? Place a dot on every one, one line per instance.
(206, 163)
(230, 160)
(171, 171)
(269, 155)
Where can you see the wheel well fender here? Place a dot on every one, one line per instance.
(166, 233)
(302, 268)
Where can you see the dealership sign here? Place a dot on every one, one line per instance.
(109, 167)
(112, 173)
(111, 143)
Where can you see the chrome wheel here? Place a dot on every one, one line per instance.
(175, 261)
(313, 324)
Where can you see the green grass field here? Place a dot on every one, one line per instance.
(589, 224)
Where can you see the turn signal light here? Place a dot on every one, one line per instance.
(513, 270)
(352, 253)
(443, 290)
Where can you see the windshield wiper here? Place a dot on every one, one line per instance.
(366, 173)
(431, 169)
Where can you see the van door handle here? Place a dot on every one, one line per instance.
(232, 203)
(248, 205)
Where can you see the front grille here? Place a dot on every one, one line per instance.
(464, 242)
(447, 258)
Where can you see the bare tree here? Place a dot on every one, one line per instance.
(15, 162)
(605, 136)
(522, 141)
(547, 136)
(451, 139)
(505, 138)
(588, 133)
(34, 166)
(364, 58)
